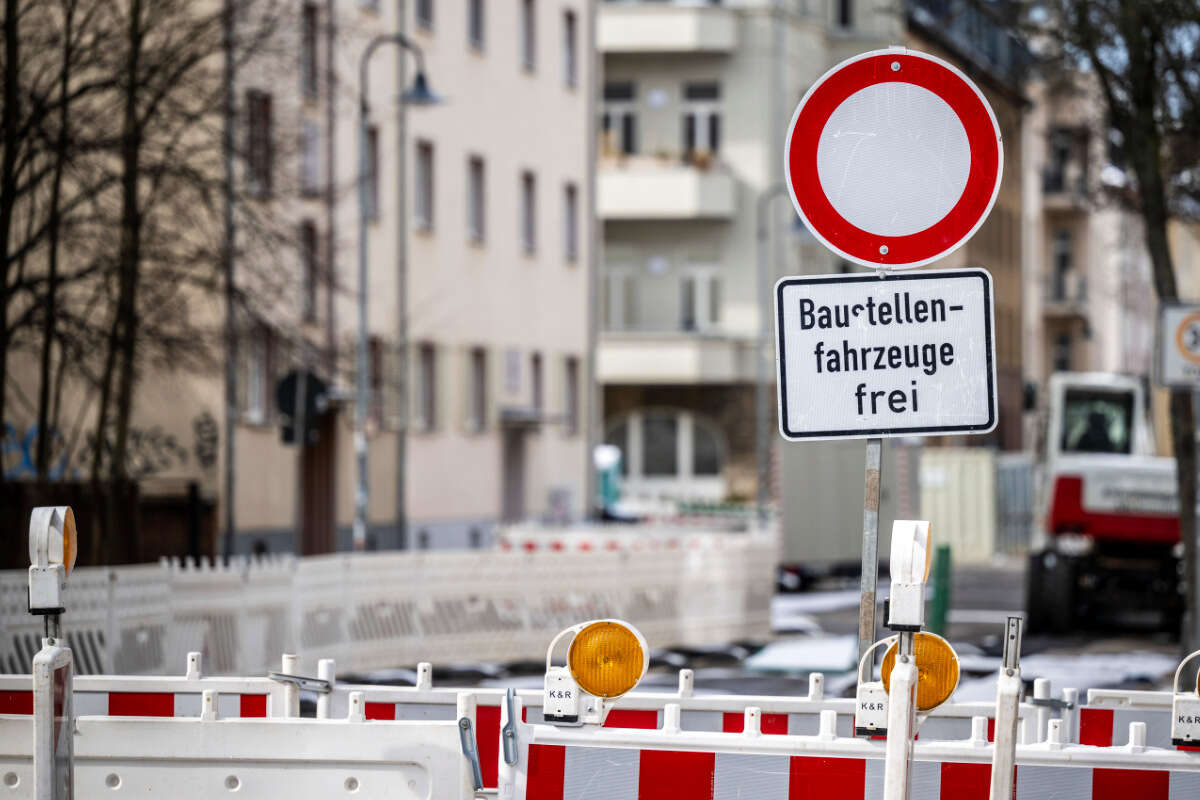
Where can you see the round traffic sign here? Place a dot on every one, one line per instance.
(1187, 338)
(893, 159)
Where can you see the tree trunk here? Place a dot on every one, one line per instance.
(55, 226)
(130, 252)
(8, 181)
(1147, 161)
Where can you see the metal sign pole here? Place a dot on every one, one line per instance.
(870, 546)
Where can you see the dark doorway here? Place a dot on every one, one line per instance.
(317, 503)
(513, 475)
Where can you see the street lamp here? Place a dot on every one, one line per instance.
(418, 94)
(762, 423)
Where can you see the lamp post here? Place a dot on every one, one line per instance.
(417, 94)
(762, 423)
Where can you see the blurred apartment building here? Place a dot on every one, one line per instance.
(696, 102)
(479, 239)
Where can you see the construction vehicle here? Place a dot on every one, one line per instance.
(1109, 548)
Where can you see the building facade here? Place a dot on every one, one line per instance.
(695, 104)
(480, 251)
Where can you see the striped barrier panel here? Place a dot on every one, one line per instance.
(571, 764)
(150, 696)
(575, 773)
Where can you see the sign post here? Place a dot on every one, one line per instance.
(893, 161)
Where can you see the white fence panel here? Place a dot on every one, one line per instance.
(376, 610)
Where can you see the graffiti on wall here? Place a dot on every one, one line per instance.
(150, 451)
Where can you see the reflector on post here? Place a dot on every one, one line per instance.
(937, 669)
(605, 660)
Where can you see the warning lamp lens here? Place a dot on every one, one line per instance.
(70, 541)
(606, 659)
(937, 670)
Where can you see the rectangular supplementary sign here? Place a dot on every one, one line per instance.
(1179, 345)
(871, 355)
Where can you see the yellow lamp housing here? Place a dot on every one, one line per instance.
(937, 669)
(606, 659)
(53, 547)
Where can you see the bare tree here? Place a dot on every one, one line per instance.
(1145, 57)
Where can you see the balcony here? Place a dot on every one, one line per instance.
(1065, 296)
(1064, 189)
(674, 357)
(642, 27)
(662, 189)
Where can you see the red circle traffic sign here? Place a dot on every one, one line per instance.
(893, 159)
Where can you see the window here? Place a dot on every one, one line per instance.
(308, 270)
(618, 437)
(571, 222)
(714, 300)
(571, 395)
(423, 209)
(528, 212)
(1097, 422)
(1062, 261)
(255, 380)
(308, 51)
(528, 34)
(423, 539)
(699, 300)
(425, 14)
(687, 304)
(475, 200)
(259, 147)
(535, 380)
(475, 30)
(844, 10)
(310, 159)
(1062, 353)
(478, 410)
(1058, 160)
(372, 167)
(474, 538)
(375, 351)
(618, 123)
(620, 300)
(706, 454)
(570, 54)
(701, 119)
(660, 437)
(426, 386)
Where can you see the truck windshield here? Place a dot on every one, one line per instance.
(1097, 422)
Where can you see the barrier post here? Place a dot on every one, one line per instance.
(1008, 699)
(511, 774)
(901, 722)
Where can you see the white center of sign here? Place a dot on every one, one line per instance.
(893, 159)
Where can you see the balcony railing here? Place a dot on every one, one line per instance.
(633, 187)
(665, 27)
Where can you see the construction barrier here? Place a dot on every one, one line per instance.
(376, 610)
(181, 696)
(198, 759)
(556, 763)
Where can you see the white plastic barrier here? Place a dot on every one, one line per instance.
(300, 759)
(376, 610)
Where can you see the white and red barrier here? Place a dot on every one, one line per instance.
(569, 764)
